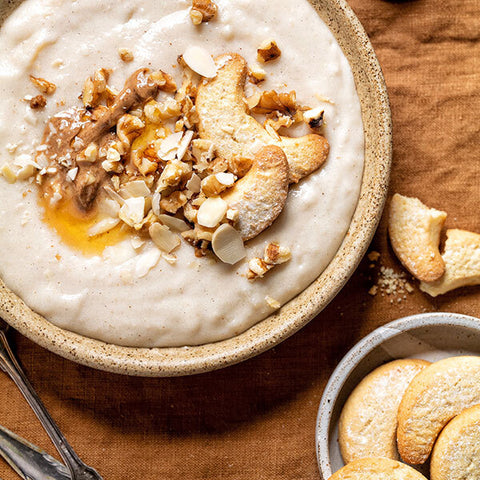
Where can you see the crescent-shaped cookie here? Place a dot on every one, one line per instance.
(415, 236)
(436, 395)
(377, 469)
(225, 121)
(259, 197)
(456, 455)
(368, 423)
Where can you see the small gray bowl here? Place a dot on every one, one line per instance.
(430, 336)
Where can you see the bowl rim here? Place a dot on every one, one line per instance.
(356, 354)
(178, 361)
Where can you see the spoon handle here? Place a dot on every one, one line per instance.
(9, 364)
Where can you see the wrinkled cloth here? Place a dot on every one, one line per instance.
(256, 420)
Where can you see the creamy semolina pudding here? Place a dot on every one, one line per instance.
(172, 175)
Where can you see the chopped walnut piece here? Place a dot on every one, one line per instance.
(126, 54)
(38, 102)
(217, 183)
(268, 51)
(239, 166)
(129, 128)
(145, 160)
(173, 202)
(190, 212)
(272, 101)
(217, 165)
(153, 112)
(174, 173)
(203, 150)
(278, 121)
(44, 86)
(314, 117)
(97, 112)
(257, 268)
(89, 98)
(95, 88)
(196, 17)
(202, 11)
(257, 74)
(164, 81)
(89, 155)
(273, 255)
(100, 79)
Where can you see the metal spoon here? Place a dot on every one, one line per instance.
(29, 461)
(8, 363)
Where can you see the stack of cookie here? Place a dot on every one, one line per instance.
(410, 411)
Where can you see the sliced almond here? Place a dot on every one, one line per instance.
(169, 147)
(157, 197)
(137, 243)
(200, 61)
(227, 179)
(132, 211)
(108, 207)
(163, 238)
(103, 226)
(146, 261)
(135, 188)
(228, 245)
(184, 144)
(114, 195)
(194, 184)
(72, 174)
(173, 223)
(211, 212)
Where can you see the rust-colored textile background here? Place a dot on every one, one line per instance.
(256, 420)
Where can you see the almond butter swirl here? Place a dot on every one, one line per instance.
(67, 132)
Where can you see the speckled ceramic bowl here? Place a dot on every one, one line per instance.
(430, 336)
(300, 310)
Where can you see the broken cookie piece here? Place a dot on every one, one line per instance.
(462, 263)
(415, 236)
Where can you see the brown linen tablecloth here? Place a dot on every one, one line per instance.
(256, 420)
